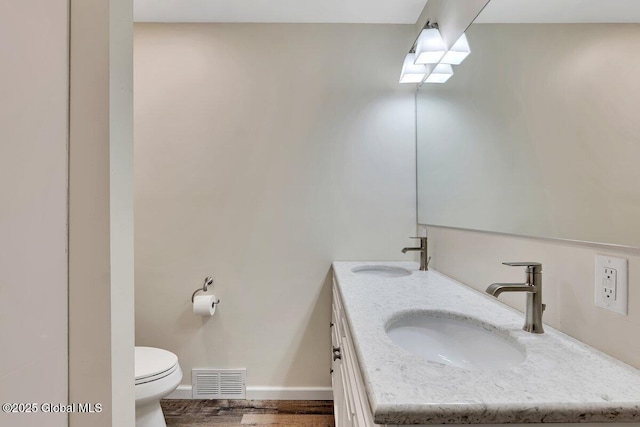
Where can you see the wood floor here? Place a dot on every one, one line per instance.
(245, 413)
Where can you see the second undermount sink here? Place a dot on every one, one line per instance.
(459, 342)
(382, 271)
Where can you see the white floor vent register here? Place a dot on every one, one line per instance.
(218, 383)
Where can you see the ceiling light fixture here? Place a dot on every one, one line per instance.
(458, 52)
(411, 72)
(430, 47)
(429, 61)
(440, 74)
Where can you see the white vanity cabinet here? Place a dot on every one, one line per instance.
(350, 403)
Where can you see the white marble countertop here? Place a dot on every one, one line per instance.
(561, 380)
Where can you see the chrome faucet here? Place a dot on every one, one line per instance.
(424, 260)
(533, 288)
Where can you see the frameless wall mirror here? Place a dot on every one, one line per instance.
(538, 132)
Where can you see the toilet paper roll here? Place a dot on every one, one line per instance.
(204, 305)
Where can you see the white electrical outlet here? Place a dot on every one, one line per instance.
(611, 283)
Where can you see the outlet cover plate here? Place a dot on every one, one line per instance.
(611, 283)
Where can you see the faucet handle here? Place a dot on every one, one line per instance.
(534, 267)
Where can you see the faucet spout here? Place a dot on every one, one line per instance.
(498, 288)
(404, 250)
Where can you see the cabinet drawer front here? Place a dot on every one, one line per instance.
(337, 299)
(335, 329)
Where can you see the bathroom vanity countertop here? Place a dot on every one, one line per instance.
(562, 380)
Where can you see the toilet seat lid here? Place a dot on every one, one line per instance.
(150, 362)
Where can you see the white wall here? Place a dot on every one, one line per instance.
(262, 154)
(101, 295)
(33, 207)
(121, 200)
(475, 258)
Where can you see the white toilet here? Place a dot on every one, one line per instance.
(157, 375)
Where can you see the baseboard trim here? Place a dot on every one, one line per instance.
(269, 393)
(289, 393)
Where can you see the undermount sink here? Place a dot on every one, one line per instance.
(445, 339)
(382, 271)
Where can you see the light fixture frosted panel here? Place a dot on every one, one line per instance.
(458, 52)
(440, 74)
(412, 73)
(430, 47)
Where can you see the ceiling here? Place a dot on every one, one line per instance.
(290, 11)
(560, 11)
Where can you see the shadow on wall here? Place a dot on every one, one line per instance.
(315, 328)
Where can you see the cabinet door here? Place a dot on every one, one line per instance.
(353, 388)
(347, 407)
(359, 401)
(338, 395)
(342, 411)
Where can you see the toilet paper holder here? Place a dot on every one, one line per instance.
(208, 281)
